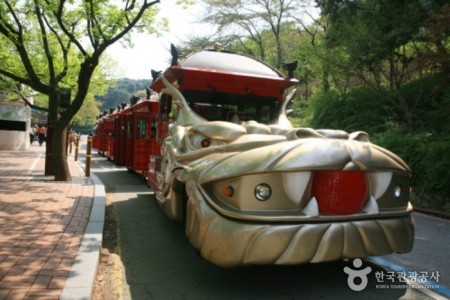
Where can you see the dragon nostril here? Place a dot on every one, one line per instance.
(339, 192)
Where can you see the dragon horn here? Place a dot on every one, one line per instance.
(186, 116)
(283, 120)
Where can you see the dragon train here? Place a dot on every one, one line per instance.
(214, 142)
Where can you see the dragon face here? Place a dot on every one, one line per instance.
(252, 171)
(274, 194)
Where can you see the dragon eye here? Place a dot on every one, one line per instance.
(205, 143)
(263, 192)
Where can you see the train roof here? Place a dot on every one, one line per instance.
(229, 62)
(226, 72)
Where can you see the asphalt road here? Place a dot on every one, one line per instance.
(431, 251)
(160, 263)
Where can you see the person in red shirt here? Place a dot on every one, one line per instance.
(41, 134)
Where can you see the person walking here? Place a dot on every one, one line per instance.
(41, 134)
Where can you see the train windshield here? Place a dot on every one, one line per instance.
(215, 106)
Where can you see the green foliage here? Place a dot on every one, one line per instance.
(301, 114)
(86, 129)
(86, 116)
(121, 91)
(256, 27)
(431, 97)
(360, 109)
(429, 159)
(371, 30)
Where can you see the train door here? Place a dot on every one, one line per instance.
(160, 125)
(129, 141)
(120, 140)
(141, 140)
(101, 134)
(110, 139)
(154, 164)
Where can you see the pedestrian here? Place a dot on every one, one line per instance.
(41, 134)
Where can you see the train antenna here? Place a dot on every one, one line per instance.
(175, 54)
(290, 67)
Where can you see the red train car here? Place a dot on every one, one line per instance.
(131, 133)
(140, 134)
(102, 131)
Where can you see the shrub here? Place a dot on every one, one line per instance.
(360, 109)
(429, 159)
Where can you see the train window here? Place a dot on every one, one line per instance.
(122, 130)
(142, 129)
(154, 125)
(129, 129)
(165, 107)
(231, 107)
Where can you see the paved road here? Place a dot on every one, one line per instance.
(160, 263)
(431, 251)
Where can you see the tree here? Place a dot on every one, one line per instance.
(121, 92)
(55, 46)
(244, 20)
(436, 34)
(377, 37)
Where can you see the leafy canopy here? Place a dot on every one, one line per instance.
(53, 44)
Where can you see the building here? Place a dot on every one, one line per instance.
(15, 125)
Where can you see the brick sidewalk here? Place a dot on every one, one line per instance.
(42, 223)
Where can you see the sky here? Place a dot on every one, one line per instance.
(152, 52)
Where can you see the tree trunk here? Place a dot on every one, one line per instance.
(56, 152)
(59, 147)
(325, 79)
(406, 111)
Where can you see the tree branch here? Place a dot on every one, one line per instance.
(64, 49)
(59, 19)
(24, 98)
(39, 15)
(15, 77)
(16, 38)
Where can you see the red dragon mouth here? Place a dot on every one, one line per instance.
(339, 192)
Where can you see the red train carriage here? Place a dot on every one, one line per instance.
(128, 135)
(101, 133)
(140, 134)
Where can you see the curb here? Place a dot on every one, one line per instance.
(81, 279)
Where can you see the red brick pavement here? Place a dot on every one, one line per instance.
(42, 223)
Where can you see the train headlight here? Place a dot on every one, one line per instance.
(263, 192)
(398, 191)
